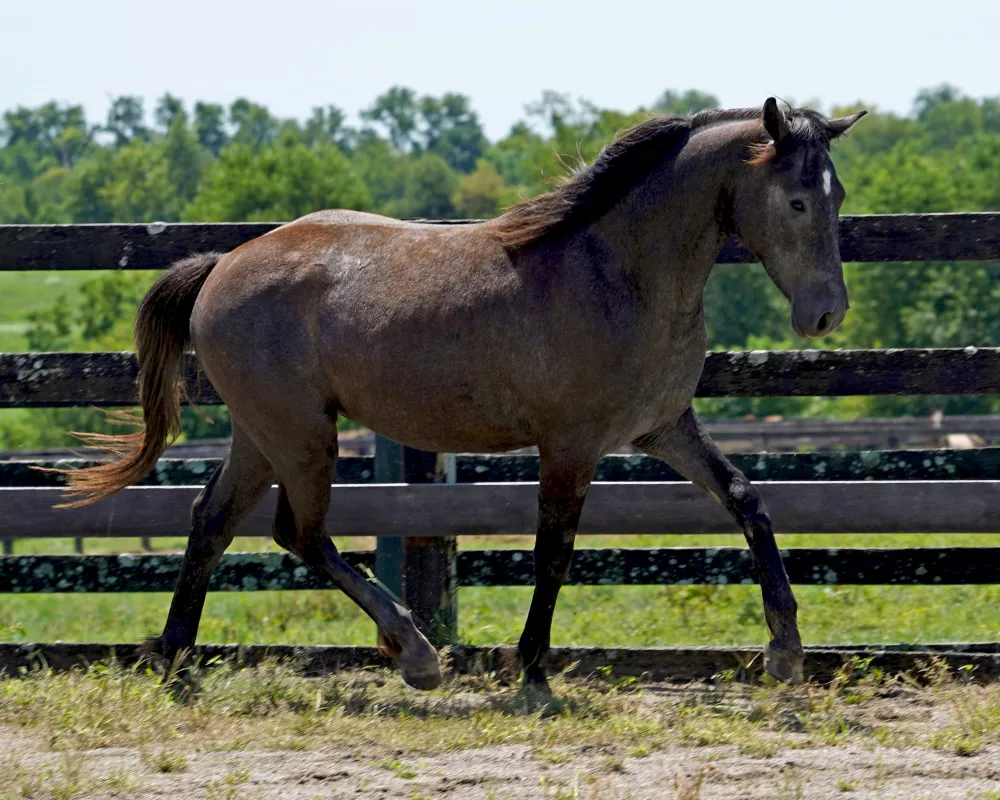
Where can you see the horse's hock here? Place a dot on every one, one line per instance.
(418, 502)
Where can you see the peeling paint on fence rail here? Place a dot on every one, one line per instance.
(33, 380)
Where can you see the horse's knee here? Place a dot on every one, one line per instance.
(747, 506)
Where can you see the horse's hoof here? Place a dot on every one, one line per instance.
(423, 676)
(783, 665)
(537, 697)
(419, 666)
(155, 649)
(535, 690)
(418, 661)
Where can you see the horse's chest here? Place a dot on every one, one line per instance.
(650, 388)
(667, 391)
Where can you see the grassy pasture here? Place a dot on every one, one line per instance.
(592, 615)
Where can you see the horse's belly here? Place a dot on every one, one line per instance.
(444, 425)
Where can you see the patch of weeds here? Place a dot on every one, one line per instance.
(791, 786)
(120, 781)
(857, 680)
(552, 756)
(227, 788)
(890, 736)
(66, 779)
(165, 761)
(617, 683)
(847, 786)
(638, 751)
(557, 790)
(759, 747)
(398, 768)
(976, 714)
(957, 741)
(688, 787)
(935, 673)
(613, 763)
(879, 772)
(712, 726)
(100, 707)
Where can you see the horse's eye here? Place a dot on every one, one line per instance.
(798, 205)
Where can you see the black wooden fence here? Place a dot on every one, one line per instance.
(419, 502)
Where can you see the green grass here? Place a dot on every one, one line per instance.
(592, 615)
(231, 709)
(21, 293)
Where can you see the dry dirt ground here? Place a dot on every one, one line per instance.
(244, 735)
(514, 771)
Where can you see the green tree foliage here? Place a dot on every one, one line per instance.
(279, 181)
(395, 112)
(210, 126)
(482, 194)
(689, 102)
(445, 126)
(253, 124)
(428, 186)
(126, 120)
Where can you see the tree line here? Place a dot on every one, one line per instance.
(413, 155)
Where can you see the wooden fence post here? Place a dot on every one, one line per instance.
(430, 563)
(8, 547)
(421, 570)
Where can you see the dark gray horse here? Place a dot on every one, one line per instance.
(573, 322)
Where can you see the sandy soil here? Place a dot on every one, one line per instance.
(516, 772)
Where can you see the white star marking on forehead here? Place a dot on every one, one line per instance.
(827, 181)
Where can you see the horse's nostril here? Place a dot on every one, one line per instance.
(824, 322)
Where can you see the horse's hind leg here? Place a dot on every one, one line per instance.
(689, 449)
(238, 484)
(300, 526)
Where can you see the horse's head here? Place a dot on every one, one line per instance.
(785, 208)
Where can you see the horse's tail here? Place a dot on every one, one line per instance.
(162, 335)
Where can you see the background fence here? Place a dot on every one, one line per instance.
(420, 502)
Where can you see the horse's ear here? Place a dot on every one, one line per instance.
(774, 121)
(841, 125)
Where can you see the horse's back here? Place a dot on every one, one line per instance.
(386, 320)
(345, 216)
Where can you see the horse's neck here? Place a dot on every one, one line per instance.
(669, 228)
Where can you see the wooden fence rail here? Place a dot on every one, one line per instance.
(872, 465)
(397, 495)
(873, 237)
(252, 572)
(973, 660)
(108, 379)
(488, 509)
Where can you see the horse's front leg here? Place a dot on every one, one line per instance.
(688, 448)
(564, 480)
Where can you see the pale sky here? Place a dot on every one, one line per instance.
(294, 55)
